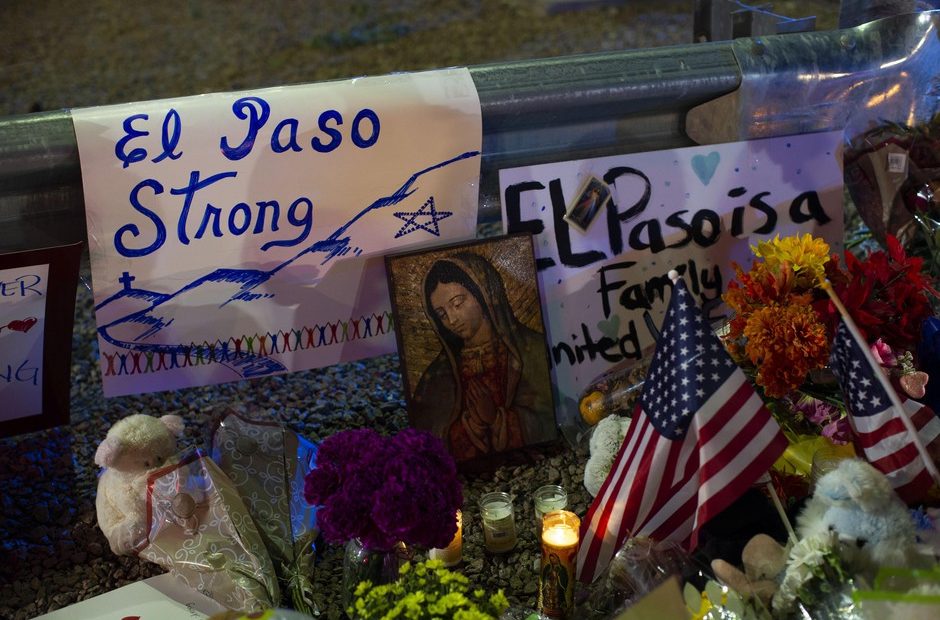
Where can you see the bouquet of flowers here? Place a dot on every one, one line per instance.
(893, 174)
(201, 531)
(784, 324)
(385, 490)
(426, 590)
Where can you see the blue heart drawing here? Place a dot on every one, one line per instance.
(704, 166)
(610, 327)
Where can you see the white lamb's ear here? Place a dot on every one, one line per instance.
(108, 451)
(174, 424)
(867, 486)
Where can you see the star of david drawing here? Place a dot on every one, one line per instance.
(427, 210)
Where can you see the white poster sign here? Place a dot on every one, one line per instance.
(164, 597)
(22, 326)
(603, 266)
(237, 235)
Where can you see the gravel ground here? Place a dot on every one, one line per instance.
(70, 53)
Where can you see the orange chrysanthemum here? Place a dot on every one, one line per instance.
(759, 288)
(785, 342)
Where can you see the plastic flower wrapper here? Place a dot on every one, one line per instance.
(636, 569)
(888, 169)
(819, 581)
(614, 392)
(901, 593)
(267, 465)
(201, 531)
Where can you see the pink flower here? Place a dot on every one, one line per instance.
(883, 354)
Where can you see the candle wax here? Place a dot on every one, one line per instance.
(560, 536)
(453, 553)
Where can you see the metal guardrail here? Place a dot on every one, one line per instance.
(533, 112)
(580, 106)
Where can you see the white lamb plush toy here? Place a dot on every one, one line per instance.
(604, 444)
(856, 501)
(134, 446)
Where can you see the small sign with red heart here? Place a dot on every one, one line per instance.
(22, 325)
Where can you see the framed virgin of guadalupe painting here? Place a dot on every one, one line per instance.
(472, 345)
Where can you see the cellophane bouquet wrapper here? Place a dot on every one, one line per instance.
(267, 464)
(201, 531)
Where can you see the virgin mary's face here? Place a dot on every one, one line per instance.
(457, 309)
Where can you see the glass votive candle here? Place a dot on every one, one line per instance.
(546, 499)
(499, 524)
(560, 531)
(452, 553)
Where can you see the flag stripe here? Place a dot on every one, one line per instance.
(912, 492)
(598, 520)
(677, 523)
(765, 448)
(871, 429)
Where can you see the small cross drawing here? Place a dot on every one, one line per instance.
(126, 279)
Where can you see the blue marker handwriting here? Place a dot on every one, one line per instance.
(23, 373)
(141, 139)
(154, 318)
(21, 286)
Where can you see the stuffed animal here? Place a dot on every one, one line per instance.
(856, 502)
(764, 560)
(604, 444)
(134, 446)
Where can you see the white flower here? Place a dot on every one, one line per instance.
(605, 443)
(804, 557)
(809, 552)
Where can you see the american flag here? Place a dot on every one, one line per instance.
(699, 438)
(878, 430)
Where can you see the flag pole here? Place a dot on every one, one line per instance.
(888, 388)
(783, 515)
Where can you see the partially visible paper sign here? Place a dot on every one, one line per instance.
(665, 602)
(158, 598)
(238, 235)
(696, 210)
(37, 300)
(22, 326)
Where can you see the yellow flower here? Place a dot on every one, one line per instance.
(806, 255)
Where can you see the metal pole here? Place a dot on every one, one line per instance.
(857, 12)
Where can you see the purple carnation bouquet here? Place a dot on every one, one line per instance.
(383, 490)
